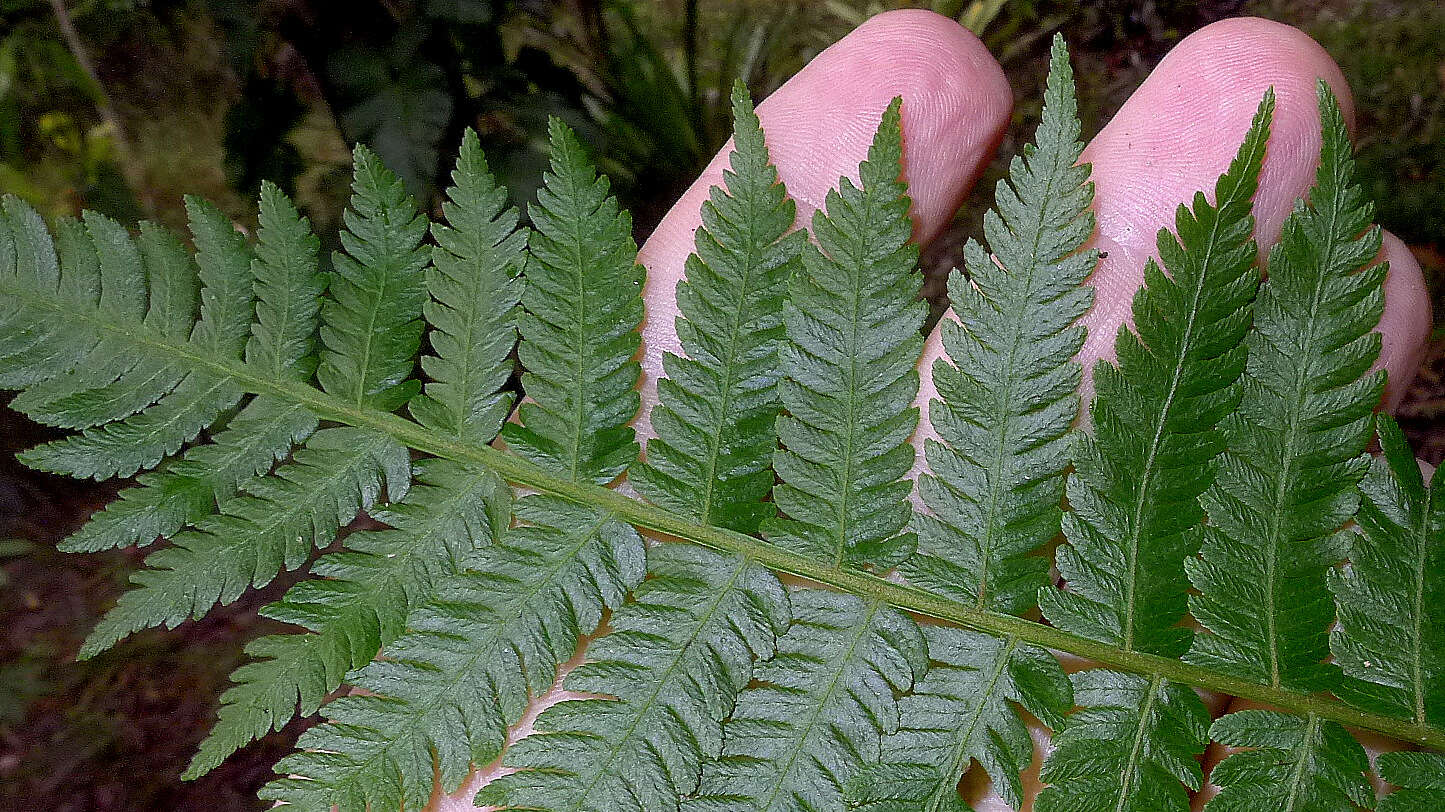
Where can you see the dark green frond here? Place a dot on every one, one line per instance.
(444, 695)
(288, 290)
(359, 601)
(673, 663)
(1134, 493)
(1420, 778)
(1296, 444)
(223, 257)
(1296, 765)
(852, 322)
(475, 288)
(711, 457)
(962, 712)
(1133, 746)
(1008, 398)
(820, 709)
(1391, 635)
(371, 319)
(583, 306)
(273, 526)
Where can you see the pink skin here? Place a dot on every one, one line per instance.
(1175, 136)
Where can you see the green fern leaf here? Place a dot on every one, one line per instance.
(583, 306)
(1134, 493)
(446, 691)
(359, 601)
(1133, 746)
(852, 323)
(224, 258)
(288, 290)
(1420, 778)
(821, 710)
(711, 457)
(273, 526)
(673, 663)
(1297, 765)
(960, 713)
(1287, 483)
(1391, 636)
(475, 288)
(371, 322)
(1005, 410)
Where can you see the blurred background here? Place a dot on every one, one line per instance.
(123, 106)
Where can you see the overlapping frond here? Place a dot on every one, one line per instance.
(443, 694)
(962, 712)
(1008, 398)
(714, 423)
(1134, 493)
(1296, 443)
(1133, 746)
(1391, 635)
(665, 677)
(852, 322)
(1420, 778)
(583, 306)
(820, 709)
(1294, 765)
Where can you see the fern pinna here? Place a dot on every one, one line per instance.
(1223, 478)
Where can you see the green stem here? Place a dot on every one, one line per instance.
(928, 604)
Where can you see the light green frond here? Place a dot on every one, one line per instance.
(223, 257)
(714, 421)
(820, 709)
(666, 675)
(1133, 746)
(852, 323)
(1007, 389)
(359, 601)
(1296, 444)
(443, 696)
(475, 288)
(583, 306)
(371, 319)
(963, 712)
(1295, 765)
(273, 526)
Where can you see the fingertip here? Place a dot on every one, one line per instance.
(1406, 323)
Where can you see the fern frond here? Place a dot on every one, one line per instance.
(1296, 444)
(675, 659)
(1296, 765)
(1006, 402)
(1391, 635)
(852, 323)
(288, 290)
(960, 713)
(445, 692)
(359, 601)
(1134, 493)
(1420, 778)
(714, 422)
(223, 260)
(820, 710)
(273, 526)
(475, 288)
(371, 321)
(1133, 746)
(583, 306)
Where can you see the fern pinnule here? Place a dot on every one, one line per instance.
(1134, 494)
(1391, 635)
(288, 290)
(852, 322)
(664, 677)
(961, 712)
(1420, 778)
(1292, 763)
(1008, 397)
(711, 457)
(1296, 444)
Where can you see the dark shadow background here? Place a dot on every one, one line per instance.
(124, 105)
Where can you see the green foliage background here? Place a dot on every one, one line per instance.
(150, 99)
